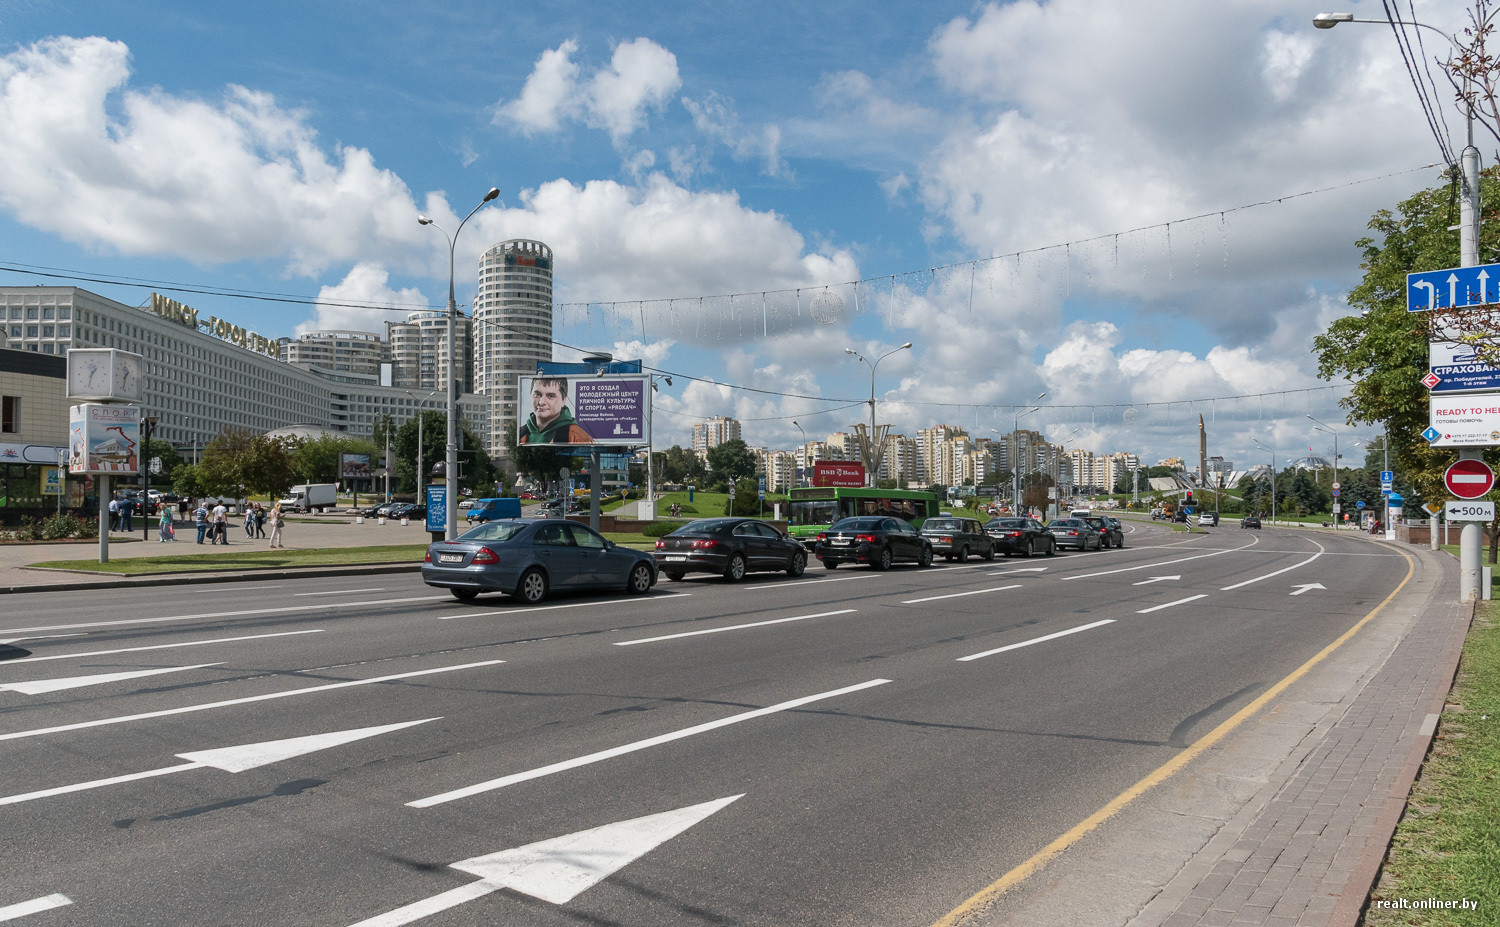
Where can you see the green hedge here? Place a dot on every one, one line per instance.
(658, 528)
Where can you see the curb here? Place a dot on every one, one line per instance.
(243, 576)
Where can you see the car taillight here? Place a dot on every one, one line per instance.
(660, 544)
(1014, 534)
(705, 544)
(866, 538)
(822, 535)
(428, 558)
(946, 540)
(485, 557)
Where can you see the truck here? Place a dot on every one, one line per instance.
(306, 497)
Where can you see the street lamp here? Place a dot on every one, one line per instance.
(1273, 477)
(650, 448)
(1015, 463)
(1329, 428)
(870, 462)
(420, 477)
(451, 476)
(1057, 472)
(802, 452)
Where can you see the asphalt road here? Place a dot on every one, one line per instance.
(848, 748)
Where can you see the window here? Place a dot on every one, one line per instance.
(10, 415)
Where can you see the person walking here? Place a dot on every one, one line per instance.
(260, 520)
(200, 515)
(221, 525)
(165, 530)
(127, 507)
(276, 519)
(250, 520)
(114, 513)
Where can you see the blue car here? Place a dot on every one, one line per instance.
(529, 559)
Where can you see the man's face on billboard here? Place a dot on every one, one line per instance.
(546, 401)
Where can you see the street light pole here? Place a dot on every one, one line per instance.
(802, 452)
(451, 477)
(1015, 464)
(1335, 486)
(870, 477)
(1273, 477)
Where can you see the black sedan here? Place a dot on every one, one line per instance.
(529, 559)
(1111, 532)
(879, 542)
(1250, 521)
(1024, 536)
(957, 538)
(730, 547)
(1074, 533)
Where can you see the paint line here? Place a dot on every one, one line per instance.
(1321, 550)
(39, 637)
(97, 783)
(800, 583)
(105, 653)
(44, 686)
(343, 591)
(1157, 608)
(955, 595)
(733, 627)
(548, 608)
(1162, 563)
(206, 706)
(244, 613)
(34, 906)
(986, 896)
(1036, 640)
(592, 758)
(427, 907)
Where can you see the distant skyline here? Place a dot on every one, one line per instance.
(1139, 208)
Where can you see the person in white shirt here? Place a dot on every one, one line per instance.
(221, 525)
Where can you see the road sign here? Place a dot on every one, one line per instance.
(1470, 511)
(1433, 507)
(1469, 479)
(1336, 492)
(1452, 288)
(1456, 368)
(1187, 509)
(1431, 380)
(1387, 476)
(1465, 421)
(1337, 508)
(1431, 434)
(1360, 504)
(1337, 485)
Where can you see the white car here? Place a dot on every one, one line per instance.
(1208, 520)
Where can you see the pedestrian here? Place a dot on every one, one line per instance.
(250, 520)
(276, 519)
(221, 525)
(183, 505)
(114, 513)
(127, 506)
(165, 531)
(200, 515)
(260, 521)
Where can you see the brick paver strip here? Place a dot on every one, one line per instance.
(1334, 818)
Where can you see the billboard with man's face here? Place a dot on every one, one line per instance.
(570, 411)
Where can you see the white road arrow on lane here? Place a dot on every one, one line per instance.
(229, 759)
(34, 906)
(1021, 570)
(1155, 579)
(558, 870)
(42, 686)
(1306, 586)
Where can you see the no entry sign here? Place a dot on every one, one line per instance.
(1469, 479)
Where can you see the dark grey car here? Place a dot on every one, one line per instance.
(956, 538)
(529, 559)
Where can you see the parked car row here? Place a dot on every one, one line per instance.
(411, 510)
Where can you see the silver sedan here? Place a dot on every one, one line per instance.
(529, 559)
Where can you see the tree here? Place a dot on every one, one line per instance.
(157, 449)
(316, 460)
(732, 460)
(187, 481)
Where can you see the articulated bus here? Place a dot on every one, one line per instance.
(812, 510)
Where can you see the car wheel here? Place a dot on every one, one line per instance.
(674, 576)
(464, 595)
(963, 555)
(883, 560)
(533, 586)
(830, 564)
(799, 564)
(1120, 543)
(735, 571)
(1052, 550)
(924, 559)
(1030, 548)
(989, 554)
(640, 580)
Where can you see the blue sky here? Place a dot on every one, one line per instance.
(1109, 191)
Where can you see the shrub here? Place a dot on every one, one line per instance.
(657, 529)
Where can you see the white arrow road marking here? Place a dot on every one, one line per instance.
(1321, 550)
(1155, 579)
(558, 870)
(205, 706)
(1157, 608)
(43, 686)
(955, 595)
(229, 759)
(1162, 563)
(591, 758)
(105, 653)
(34, 906)
(733, 627)
(1022, 570)
(1306, 586)
(1036, 640)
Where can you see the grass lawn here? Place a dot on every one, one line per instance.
(246, 560)
(1447, 846)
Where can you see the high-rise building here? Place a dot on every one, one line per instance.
(418, 350)
(512, 328)
(713, 432)
(340, 352)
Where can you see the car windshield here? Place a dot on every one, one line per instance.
(1066, 523)
(706, 526)
(493, 531)
(859, 524)
(943, 524)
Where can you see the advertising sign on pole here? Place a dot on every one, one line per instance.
(583, 410)
(1465, 421)
(104, 438)
(354, 467)
(838, 473)
(1456, 368)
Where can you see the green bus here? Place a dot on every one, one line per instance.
(813, 509)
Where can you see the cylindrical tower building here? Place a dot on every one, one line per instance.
(512, 328)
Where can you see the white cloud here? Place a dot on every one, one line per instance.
(715, 116)
(641, 76)
(550, 94)
(360, 302)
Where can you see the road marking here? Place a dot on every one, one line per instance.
(43, 686)
(1021, 570)
(281, 610)
(229, 759)
(986, 896)
(1321, 551)
(1036, 640)
(954, 595)
(1306, 586)
(1155, 579)
(803, 582)
(1162, 563)
(34, 906)
(733, 627)
(592, 758)
(547, 608)
(40, 637)
(205, 706)
(343, 592)
(105, 653)
(559, 869)
(1157, 608)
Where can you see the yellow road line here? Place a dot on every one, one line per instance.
(976, 903)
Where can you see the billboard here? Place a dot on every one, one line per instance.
(569, 411)
(354, 466)
(1471, 420)
(838, 473)
(104, 439)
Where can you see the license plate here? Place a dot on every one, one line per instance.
(674, 557)
(839, 541)
(450, 558)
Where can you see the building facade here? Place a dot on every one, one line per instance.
(342, 352)
(512, 328)
(713, 432)
(33, 430)
(418, 351)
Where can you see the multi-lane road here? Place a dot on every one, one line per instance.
(848, 748)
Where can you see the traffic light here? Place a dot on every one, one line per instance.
(1189, 499)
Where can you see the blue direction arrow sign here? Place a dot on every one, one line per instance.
(1453, 288)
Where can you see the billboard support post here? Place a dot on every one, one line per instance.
(104, 518)
(596, 486)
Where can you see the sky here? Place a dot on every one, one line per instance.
(1145, 210)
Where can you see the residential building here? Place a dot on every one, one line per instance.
(512, 332)
(713, 432)
(418, 351)
(342, 352)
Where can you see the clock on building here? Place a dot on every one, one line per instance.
(105, 374)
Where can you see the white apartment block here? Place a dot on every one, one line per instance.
(341, 352)
(713, 432)
(778, 467)
(512, 328)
